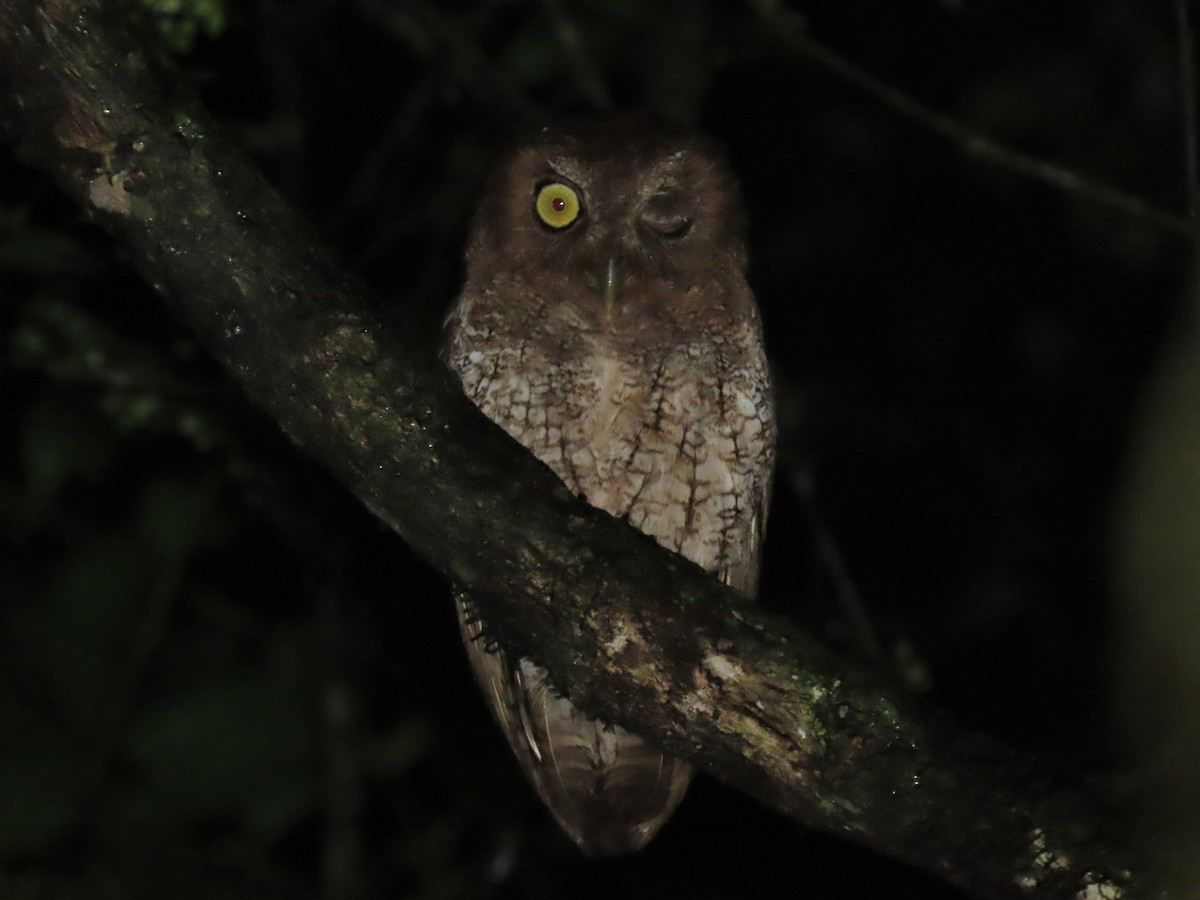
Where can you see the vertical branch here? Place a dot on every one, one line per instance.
(1156, 576)
(1187, 101)
(835, 567)
(1191, 142)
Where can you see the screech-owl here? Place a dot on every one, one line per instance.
(607, 325)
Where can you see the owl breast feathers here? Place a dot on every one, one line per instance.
(606, 324)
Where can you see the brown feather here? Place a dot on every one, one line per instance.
(656, 408)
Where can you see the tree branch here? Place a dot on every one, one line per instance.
(630, 631)
(788, 27)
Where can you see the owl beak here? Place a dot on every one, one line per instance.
(610, 280)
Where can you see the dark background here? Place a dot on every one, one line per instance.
(220, 677)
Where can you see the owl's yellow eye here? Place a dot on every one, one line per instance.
(556, 204)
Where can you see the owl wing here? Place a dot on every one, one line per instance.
(742, 574)
(609, 790)
(634, 443)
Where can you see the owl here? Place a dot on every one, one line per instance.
(606, 324)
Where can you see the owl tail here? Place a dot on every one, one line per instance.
(609, 790)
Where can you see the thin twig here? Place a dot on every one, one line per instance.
(789, 28)
(835, 567)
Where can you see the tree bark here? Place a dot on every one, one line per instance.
(631, 632)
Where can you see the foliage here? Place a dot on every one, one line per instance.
(182, 22)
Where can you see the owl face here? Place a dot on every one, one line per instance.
(621, 210)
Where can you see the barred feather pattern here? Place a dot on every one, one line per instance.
(656, 408)
(677, 438)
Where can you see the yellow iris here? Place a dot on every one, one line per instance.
(556, 204)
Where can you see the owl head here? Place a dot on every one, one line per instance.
(611, 207)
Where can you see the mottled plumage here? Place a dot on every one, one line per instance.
(606, 324)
